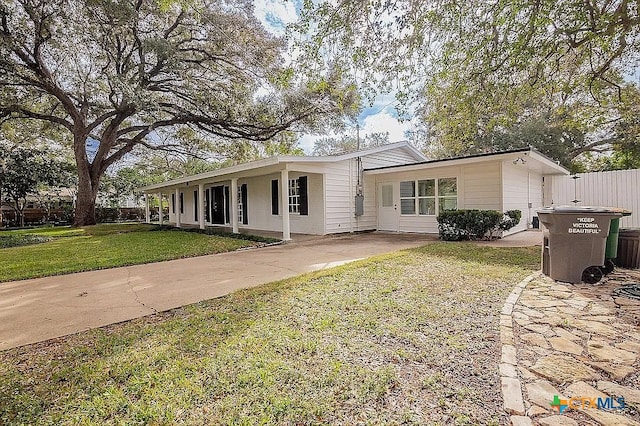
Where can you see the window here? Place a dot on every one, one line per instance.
(447, 194)
(408, 197)
(182, 203)
(427, 197)
(294, 196)
(173, 203)
(434, 196)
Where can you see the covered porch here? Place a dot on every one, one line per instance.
(263, 196)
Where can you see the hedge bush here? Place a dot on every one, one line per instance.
(456, 225)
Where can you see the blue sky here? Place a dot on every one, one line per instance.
(377, 118)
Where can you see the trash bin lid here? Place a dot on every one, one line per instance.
(630, 232)
(582, 209)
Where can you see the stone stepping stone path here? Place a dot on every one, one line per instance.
(569, 341)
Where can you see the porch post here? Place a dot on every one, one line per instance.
(234, 205)
(201, 205)
(284, 204)
(177, 207)
(147, 212)
(160, 212)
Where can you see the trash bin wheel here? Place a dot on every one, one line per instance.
(609, 266)
(592, 274)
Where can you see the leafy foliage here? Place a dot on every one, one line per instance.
(348, 143)
(128, 74)
(26, 171)
(482, 73)
(456, 225)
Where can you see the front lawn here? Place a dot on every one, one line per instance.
(102, 246)
(406, 338)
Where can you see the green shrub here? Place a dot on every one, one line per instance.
(16, 240)
(456, 225)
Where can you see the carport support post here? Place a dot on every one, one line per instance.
(160, 210)
(234, 205)
(201, 205)
(147, 213)
(284, 204)
(177, 207)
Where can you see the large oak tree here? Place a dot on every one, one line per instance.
(125, 73)
(476, 67)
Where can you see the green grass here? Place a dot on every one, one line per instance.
(406, 338)
(103, 246)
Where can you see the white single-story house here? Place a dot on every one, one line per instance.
(388, 188)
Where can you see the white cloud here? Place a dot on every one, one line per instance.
(307, 142)
(275, 15)
(383, 122)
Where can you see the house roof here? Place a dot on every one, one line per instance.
(546, 164)
(283, 159)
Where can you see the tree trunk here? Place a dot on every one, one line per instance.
(20, 214)
(85, 213)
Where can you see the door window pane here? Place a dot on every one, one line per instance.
(387, 195)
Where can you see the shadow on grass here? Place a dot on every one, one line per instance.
(524, 257)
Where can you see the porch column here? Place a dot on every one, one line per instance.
(201, 205)
(284, 204)
(177, 207)
(234, 205)
(147, 212)
(160, 211)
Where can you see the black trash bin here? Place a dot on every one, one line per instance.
(575, 240)
(629, 248)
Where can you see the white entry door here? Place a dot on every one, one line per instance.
(387, 207)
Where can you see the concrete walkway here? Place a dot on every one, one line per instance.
(40, 309)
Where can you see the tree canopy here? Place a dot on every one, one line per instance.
(481, 71)
(127, 73)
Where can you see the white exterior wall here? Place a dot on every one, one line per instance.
(341, 179)
(521, 186)
(479, 187)
(259, 205)
(482, 186)
(619, 188)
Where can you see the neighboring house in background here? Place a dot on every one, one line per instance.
(389, 188)
(52, 205)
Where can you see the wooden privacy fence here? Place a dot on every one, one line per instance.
(620, 188)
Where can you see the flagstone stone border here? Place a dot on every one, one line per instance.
(511, 386)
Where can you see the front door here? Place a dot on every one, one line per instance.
(217, 205)
(387, 207)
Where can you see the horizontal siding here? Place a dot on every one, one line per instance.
(337, 207)
(391, 157)
(614, 189)
(482, 186)
(422, 224)
(515, 192)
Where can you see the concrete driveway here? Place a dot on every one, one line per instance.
(43, 308)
